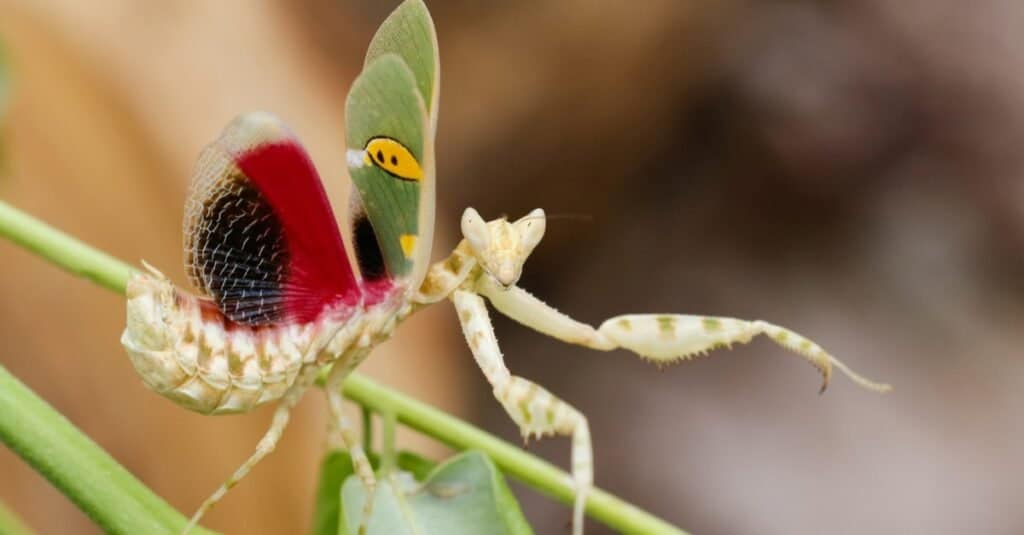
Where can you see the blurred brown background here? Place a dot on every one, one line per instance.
(849, 169)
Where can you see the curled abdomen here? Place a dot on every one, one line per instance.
(186, 350)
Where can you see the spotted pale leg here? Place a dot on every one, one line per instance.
(489, 262)
(661, 338)
(344, 430)
(276, 296)
(535, 410)
(266, 445)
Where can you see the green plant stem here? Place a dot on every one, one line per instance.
(388, 456)
(63, 250)
(367, 428)
(11, 524)
(85, 473)
(81, 259)
(513, 461)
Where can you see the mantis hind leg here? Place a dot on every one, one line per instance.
(266, 444)
(342, 428)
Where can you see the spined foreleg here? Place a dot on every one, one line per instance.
(661, 338)
(535, 410)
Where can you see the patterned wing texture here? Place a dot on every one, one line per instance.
(260, 237)
(391, 116)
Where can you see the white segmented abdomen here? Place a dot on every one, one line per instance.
(183, 349)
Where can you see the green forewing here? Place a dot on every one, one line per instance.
(409, 33)
(384, 102)
(396, 97)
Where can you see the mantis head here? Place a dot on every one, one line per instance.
(502, 247)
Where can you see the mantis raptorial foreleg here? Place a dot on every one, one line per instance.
(661, 338)
(489, 262)
(344, 429)
(266, 445)
(535, 410)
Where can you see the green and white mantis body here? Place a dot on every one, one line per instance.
(280, 300)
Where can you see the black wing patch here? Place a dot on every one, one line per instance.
(240, 255)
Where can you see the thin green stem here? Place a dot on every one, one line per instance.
(389, 421)
(11, 524)
(513, 461)
(85, 473)
(111, 273)
(63, 250)
(367, 429)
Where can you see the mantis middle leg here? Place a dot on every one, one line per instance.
(266, 444)
(343, 428)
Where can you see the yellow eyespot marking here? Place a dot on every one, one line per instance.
(408, 242)
(393, 157)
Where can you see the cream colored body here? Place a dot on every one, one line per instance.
(189, 357)
(182, 350)
(201, 366)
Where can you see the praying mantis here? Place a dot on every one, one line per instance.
(279, 299)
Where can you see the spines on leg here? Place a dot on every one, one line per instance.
(445, 277)
(535, 410)
(665, 338)
(660, 338)
(816, 355)
(668, 338)
(530, 311)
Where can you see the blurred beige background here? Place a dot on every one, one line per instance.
(849, 169)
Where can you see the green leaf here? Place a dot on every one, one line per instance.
(419, 467)
(465, 495)
(335, 469)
